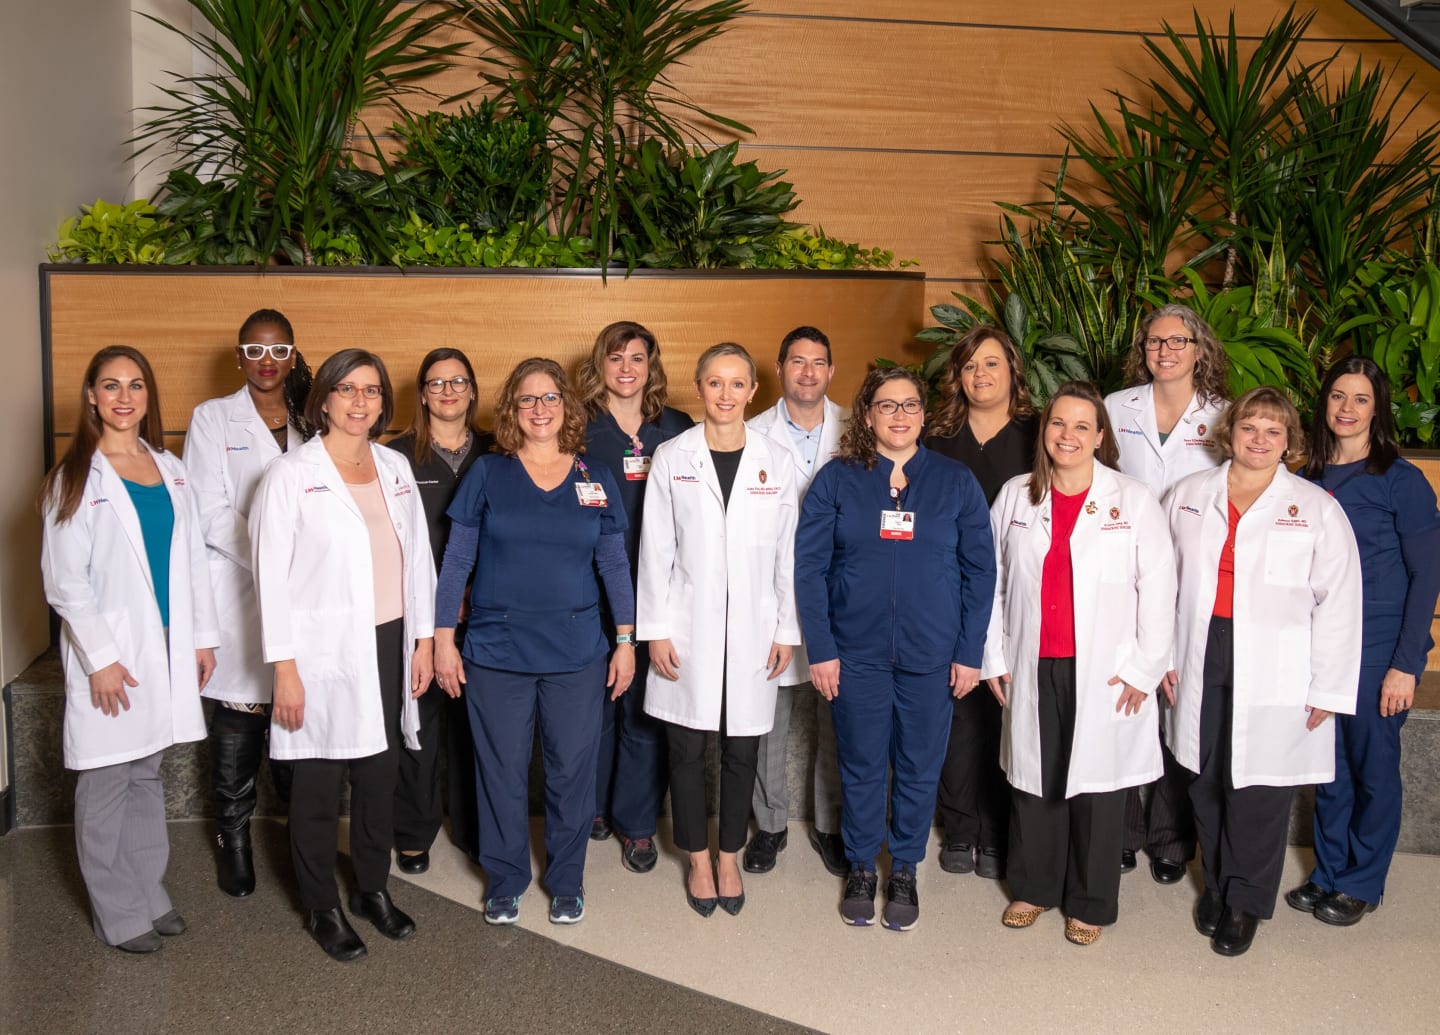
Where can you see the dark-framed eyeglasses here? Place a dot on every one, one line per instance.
(549, 400)
(1175, 343)
(459, 385)
(887, 407)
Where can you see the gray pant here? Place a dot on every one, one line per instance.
(123, 845)
(771, 800)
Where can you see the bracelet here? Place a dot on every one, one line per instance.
(624, 638)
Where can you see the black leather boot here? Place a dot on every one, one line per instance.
(234, 763)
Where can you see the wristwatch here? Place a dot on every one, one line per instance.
(624, 638)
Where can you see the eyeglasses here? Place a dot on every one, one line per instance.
(279, 353)
(459, 385)
(887, 407)
(550, 400)
(1175, 343)
(347, 390)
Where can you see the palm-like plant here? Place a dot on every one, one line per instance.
(275, 121)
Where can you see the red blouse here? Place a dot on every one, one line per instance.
(1057, 579)
(1225, 588)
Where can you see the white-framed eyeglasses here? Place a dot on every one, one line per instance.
(346, 390)
(549, 400)
(887, 407)
(1175, 343)
(279, 353)
(459, 385)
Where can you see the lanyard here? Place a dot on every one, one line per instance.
(580, 466)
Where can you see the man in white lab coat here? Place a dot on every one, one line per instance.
(807, 423)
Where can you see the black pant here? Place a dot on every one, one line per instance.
(1165, 824)
(419, 805)
(973, 795)
(1065, 852)
(688, 813)
(315, 799)
(1242, 831)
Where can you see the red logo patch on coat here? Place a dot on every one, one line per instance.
(1114, 513)
(762, 476)
(1201, 429)
(1293, 510)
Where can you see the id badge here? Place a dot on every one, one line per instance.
(637, 468)
(897, 524)
(591, 494)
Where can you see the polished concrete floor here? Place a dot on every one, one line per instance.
(643, 962)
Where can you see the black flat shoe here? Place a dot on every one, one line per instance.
(412, 864)
(760, 853)
(1127, 860)
(1208, 912)
(1235, 933)
(1166, 871)
(387, 917)
(990, 863)
(1306, 897)
(333, 933)
(1342, 910)
(832, 852)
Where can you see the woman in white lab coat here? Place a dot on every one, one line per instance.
(1165, 428)
(1267, 647)
(229, 443)
(346, 585)
(716, 601)
(1079, 640)
(124, 568)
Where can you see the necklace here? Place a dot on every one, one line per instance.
(277, 421)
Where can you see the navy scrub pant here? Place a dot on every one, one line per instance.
(1357, 816)
(630, 773)
(503, 709)
(887, 718)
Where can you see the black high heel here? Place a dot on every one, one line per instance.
(704, 906)
(732, 904)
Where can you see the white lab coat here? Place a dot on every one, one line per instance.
(1124, 579)
(311, 558)
(718, 582)
(773, 423)
(97, 579)
(1297, 616)
(226, 450)
(1190, 447)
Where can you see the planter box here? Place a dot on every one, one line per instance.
(185, 320)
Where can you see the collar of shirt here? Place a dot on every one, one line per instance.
(808, 442)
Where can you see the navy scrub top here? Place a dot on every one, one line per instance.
(535, 597)
(917, 604)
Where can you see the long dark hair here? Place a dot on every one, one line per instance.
(420, 423)
(857, 445)
(1384, 449)
(1107, 453)
(65, 483)
(953, 409)
(590, 377)
(296, 389)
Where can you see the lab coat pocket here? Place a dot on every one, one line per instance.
(318, 636)
(1285, 672)
(1116, 553)
(1287, 558)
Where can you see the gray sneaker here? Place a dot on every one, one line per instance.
(858, 907)
(902, 904)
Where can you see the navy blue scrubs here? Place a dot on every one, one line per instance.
(1357, 816)
(897, 613)
(631, 767)
(534, 643)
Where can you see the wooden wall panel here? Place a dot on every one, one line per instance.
(186, 323)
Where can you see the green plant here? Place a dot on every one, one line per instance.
(109, 233)
(274, 123)
(419, 243)
(597, 75)
(814, 249)
(700, 208)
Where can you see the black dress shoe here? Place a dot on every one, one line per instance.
(1208, 912)
(990, 863)
(333, 933)
(957, 857)
(412, 862)
(1343, 910)
(832, 852)
(387, 917)
(1306, 897)
(732, 904)
(1127, 860)
(1166, 871)
(1235, 933)
(760, 853)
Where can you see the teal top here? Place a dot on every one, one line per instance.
(157, 524)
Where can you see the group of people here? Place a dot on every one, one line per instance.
(1020, 618)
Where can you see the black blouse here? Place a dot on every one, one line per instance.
(1011, 452)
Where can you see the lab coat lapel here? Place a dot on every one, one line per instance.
(328, 475)
(112, 487)
(701, 462)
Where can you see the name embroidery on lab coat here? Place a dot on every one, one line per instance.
(684, 478)
(317, 488)
(97, 502)
(237, 449)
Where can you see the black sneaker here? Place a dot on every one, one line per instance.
(990, 863)
(638, 854)
(600, 829)
(858, 907)
(957, 857)
(902, 904)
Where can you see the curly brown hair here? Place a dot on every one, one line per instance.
(1107, 452)
(1212, 363)
(857, 445)
(590, 375)
(1272, 404)
(508, 436)
(952, 409)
